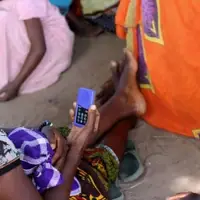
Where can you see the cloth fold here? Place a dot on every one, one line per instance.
(36, 158)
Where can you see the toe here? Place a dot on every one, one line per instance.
(130, 60)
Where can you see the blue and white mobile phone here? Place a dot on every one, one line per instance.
(85, 99)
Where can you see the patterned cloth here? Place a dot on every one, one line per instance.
(97, 171)
(168, 60)
(36, 159)
(9, 156)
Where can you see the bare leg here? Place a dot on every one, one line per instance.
(117, 137)
(127, 100)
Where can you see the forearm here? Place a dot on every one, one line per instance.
(62, 192)
(33, 59)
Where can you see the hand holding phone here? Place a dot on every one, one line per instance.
(85, 99)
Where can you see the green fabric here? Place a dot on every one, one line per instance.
(92, 6)
(64, 131)
(99, 154)
(131, 167)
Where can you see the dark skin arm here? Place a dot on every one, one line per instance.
(34, 57)
(79, 139)
(12, 191)
(62, 192)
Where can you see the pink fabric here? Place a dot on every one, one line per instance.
(15, 44)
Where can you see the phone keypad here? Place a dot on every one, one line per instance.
(82, 115)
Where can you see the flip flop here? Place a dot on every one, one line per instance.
(115, 192)
(131, 168)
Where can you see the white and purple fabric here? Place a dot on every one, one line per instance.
(36, 158)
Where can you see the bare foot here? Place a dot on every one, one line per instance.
(127, 90)
(109, 87)
(123, 85)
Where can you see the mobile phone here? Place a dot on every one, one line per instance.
(85, 99)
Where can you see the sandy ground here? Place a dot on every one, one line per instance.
(172, 162)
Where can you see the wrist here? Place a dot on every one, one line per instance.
(77, 149)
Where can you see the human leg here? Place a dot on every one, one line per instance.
(81, 26)
(116, 138)
(127, 100)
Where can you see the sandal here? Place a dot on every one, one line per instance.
(131, 168)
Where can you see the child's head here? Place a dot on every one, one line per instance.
(36, 157)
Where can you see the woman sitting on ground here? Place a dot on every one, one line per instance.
(36, 46)
(89, 18)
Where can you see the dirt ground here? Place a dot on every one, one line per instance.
(172, 162)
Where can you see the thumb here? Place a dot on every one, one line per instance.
(91, 118)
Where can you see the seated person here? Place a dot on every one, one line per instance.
(97, 167)
(89, 18)
(38, 50)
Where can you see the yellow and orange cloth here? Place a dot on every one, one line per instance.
(165, 38)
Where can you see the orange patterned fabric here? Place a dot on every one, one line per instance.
(168, 48)
(121, 17)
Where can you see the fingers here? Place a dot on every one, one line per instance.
(74, 105)
(92, 114)
(114, 70)
(72, 112)
(96, 127)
